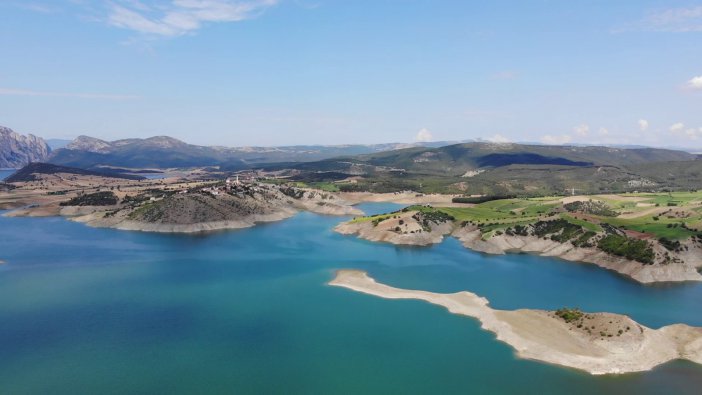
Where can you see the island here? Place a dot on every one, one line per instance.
(648, 237)
(597, 343)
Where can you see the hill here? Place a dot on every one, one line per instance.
(32, 170)
(460, 158)
(489, 168)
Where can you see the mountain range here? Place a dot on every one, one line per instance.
(17, 150)
(476, 167)
(168, 152)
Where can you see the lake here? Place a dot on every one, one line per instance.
(248, 311)
(4, 173)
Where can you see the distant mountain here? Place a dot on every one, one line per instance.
(460, 158)
(29, 172)
(57, 143)
(492, 168)
(17, 150)
(167, 152)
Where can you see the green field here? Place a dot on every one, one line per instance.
(658, 218)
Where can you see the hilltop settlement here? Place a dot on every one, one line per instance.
(181, 202)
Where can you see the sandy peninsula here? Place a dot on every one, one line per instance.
(598, 343)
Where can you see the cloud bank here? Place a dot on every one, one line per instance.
(674, 20)
(179, 17)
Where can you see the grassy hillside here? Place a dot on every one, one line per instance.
(674, 216)
(648, 228)
(507, 169)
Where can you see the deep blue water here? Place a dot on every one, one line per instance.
(86, 310)
(4, 173)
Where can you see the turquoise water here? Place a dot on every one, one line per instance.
(103, 311)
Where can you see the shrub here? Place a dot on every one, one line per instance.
(594, 207)
(481, 199)
(93, 199)
(637, 250)
(670, 245)
(569, 315)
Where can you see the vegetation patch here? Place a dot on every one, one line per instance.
(633, 249)
(569, 315)
(480, 199)
(293, 192)
(93, 199)
(594, 207)
(670, 245)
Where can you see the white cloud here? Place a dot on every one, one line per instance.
(677, 127)
(498, 138)
(675, 20)
(643, 125)
(603, 132)
(424, 135)
(693, 134)
(582, 130)
(695, 83)
(557, 139)
(34, 6)
(27, 92)
(179, 17)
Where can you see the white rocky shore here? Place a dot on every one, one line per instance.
(410, 233)
(471, 238)
(598, 343)
(197, 211)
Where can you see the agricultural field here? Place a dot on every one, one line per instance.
(672, 216)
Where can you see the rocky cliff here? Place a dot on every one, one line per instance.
(17, 150)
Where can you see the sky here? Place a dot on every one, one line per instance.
(284, 72)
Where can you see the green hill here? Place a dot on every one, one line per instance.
(488, 168)
(29, 172)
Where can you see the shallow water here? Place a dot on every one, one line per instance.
(104, 311)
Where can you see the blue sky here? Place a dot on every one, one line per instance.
(280, 72)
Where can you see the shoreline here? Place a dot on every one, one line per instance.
(540, 335)
(200, 227)
(471, 238)
(641, 273)
(194, 211)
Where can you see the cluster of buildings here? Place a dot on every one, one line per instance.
(230, 184)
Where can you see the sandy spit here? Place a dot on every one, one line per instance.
(540, 335)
